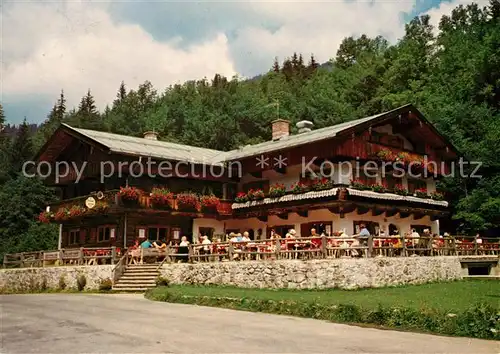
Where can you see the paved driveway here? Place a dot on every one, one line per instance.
(75, 323)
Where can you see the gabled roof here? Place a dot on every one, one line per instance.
(128, 145)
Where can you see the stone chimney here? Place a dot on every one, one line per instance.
(281, 129)
(304, 126)
(151, 135)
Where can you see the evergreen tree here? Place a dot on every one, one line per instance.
(21, 150)
(276, 65)
(60, 108)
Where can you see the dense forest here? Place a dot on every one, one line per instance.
(452, 74)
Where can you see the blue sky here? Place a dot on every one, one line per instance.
(80, 45)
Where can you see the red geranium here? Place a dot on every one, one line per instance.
(189, 201)
(161, 196)
(421, 193)
(400, 189)
(321, 184)
(61, 214)
(241, 197)
(129, 193)
(45, 217)
(76, 211)
(277, 190)
(256, 194)
(358, 184)
(210, 201)
(299, 187)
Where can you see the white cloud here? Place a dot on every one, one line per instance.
(76, 46)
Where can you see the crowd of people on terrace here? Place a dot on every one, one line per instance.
(338, 244)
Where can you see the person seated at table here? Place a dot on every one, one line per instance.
(205, 250)
(316, 238)
(183, 250)
(363, 235)
(146, 244)
(415, 236)
(290, 234)
(159, 245)
(239, 237)
(232, 237)
(246, 237)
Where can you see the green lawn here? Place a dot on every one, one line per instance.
(453, 296)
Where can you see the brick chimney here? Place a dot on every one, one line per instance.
(151, 135)
(281, 129)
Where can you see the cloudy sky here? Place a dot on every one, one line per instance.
(76, 45)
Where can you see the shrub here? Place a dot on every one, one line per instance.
(105, 284)
(162, 281)
(81, 281)
(62, 282)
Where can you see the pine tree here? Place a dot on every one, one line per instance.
(122, 92)
(276, 65)
(61, 108)
(88, 116)
(22, 149)
(2, 118)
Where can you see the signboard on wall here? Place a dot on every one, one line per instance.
(142, 233)
(176, 234)
(90, 202)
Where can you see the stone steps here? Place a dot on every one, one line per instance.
(137, 278)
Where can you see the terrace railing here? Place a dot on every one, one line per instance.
(305, 248)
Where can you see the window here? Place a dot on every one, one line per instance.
(74, 236)
(373, 227)
(414, 184)
(157, 233)
(281, 230)
(206, 231)
(104, 233)
(320, 227)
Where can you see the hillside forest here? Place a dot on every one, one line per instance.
(451, 73)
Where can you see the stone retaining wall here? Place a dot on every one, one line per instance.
(31, 279)
(335, 273)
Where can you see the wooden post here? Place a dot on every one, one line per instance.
(278, 248)
(403, 244)
(230, 251)
(323, 246)
(4, 260)
(142, 255)
(475, 246)
(454, 244)
(81, 261)
(167, 254)
(21, 260)
(113, 254)
(370, 246)
(191, 253)
(59, 242)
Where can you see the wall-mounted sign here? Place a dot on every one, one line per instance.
(142, 233)
(112, 233)
(90, 202)
(176, 234)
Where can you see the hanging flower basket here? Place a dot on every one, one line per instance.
(161, 198)
(386, 155)
(129, 196)
(256, 194)
(399, 189)
(299, 188)
(421, 193)
(241, 197)
(188, 202)
(277, 190)
(45, 217)
(209, 203)
(404, 158)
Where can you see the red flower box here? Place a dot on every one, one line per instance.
(188, 202)
(400, 189)
(277, 190)
(357, 184)
(421, 193)
(322, 184)
(161, 198)
(61, 214)
(209, 202)
(299, 187)
(45, 217)
(76, 211)
(241, 197)
(256, 194)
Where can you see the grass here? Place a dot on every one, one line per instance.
(452, 296)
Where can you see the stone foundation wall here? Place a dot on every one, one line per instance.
(335, 273)
(29, 279)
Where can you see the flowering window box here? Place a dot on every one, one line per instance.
(277, 190)
(378, 188)
(256, 194)
(45, 217)
(241, 197)
(129, 196)
(322, 184)
(161, 198)
(437, 195)
(299, 188)
(399, 189)
(61, 214)
(209, 203)
(421, 193)
(188, 202)
(357, 184)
